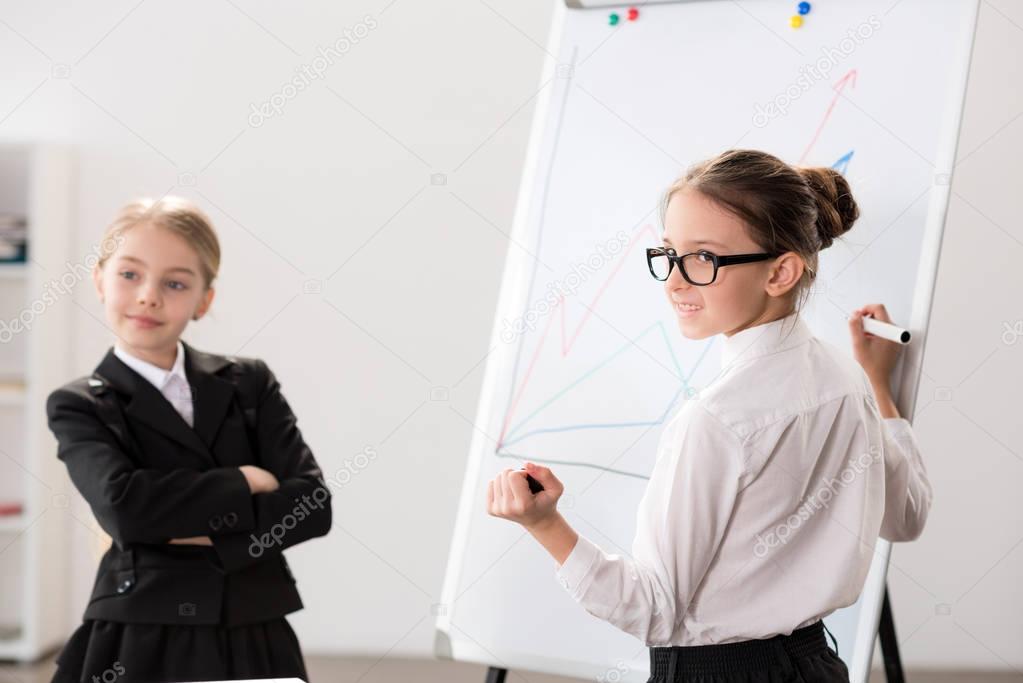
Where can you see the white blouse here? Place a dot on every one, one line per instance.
(173, 383)
(768, 494)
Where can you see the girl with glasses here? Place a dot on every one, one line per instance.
(769, 490)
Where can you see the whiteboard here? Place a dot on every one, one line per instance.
(587, 364)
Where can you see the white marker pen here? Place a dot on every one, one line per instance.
(879, 328)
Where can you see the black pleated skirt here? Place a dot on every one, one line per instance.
(114, 652)
(800, 657)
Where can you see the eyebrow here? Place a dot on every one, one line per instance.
(181, 269)
(697, 242)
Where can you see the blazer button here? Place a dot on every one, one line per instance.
(216, 522)
(125, 586)
(231, 518)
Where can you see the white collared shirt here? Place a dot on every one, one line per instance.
(173, 383)
(767, 496)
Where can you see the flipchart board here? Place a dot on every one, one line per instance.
(587, 363)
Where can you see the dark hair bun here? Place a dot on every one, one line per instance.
(836, 208)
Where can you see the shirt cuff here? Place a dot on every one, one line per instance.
(575, 574)
(898, 427)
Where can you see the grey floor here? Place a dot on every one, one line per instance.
(386, 670)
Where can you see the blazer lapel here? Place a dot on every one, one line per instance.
(211, 399)
(212, 394)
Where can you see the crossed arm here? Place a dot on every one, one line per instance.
(146, 505)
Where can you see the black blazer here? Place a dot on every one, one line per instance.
(149, 477)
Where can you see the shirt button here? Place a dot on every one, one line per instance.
(564, 583)
(216, 522)
(231, 519)
(125, 586)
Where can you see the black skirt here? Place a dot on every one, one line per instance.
(114, 652)
(802, 656)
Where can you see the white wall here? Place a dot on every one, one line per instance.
(337, 188)
(370, 291)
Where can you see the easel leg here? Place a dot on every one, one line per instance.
(889, 643)
(496, 675)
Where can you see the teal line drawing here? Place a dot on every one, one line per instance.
(646, 423)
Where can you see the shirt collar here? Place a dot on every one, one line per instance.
(766, 338)
(154, 374)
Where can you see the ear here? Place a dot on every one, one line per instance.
(204, 305)
(97, 280)
(785, 274)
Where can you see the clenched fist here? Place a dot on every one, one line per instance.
(509, 497)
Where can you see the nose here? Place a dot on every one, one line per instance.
(148, 295)
(675, 279)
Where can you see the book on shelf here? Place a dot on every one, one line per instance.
(10, 508)
(13, 238)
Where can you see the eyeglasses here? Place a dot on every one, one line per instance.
(698, 267)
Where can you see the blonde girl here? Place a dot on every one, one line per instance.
(193, 463)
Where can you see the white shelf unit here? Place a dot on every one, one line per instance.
(36, 182)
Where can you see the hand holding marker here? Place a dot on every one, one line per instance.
(879, 328)
(535, 487)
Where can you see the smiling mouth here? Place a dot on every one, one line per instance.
(144, 322)
(687, 308)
